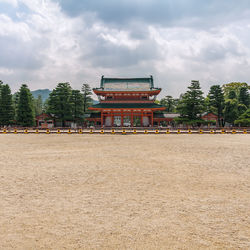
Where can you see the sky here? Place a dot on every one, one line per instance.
(44, 42)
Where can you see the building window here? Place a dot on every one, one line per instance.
(144, 97)
(109, 97)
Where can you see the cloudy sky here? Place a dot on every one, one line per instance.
(43, 42)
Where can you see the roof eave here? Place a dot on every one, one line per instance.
(156, 108)
(102, 91)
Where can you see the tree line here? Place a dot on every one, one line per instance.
(230, 102)
(64, 104)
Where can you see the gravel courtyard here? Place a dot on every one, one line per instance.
(124, 191)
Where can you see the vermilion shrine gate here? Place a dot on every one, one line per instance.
(125, 102)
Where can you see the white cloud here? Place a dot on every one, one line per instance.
(212, 57)
(117, 37)
(9, 28)
(14, 3)
(55, 39)
(5, 71)
(43, 46)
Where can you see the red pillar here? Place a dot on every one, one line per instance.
(132, 119)
(101, 118)
(152, 119)
(122, 118)
(141, 119)
(112, 119)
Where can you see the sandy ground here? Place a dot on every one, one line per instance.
(125, 191)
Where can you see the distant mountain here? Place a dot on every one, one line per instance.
(44, 93)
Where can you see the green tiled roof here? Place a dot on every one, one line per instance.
(126, 105)
(127, 84)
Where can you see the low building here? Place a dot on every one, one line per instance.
(44, 121)
(165, 119)
(209, 116)
(168, 118)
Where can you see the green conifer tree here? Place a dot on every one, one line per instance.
(191, 104)
(15, 98)
(77, 105)
(216, 102)
(25, 109)
(59, 103)
(169, 102)
(87, 100)
(244, 97)
(6, 106)
(1, 84)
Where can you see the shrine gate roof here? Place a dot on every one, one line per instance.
(127, 84)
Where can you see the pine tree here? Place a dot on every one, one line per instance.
(25, 109)
(1, 84)
(191, 104)
(15, 98)
(169, 102)
(87, 100)
(77, 105)
(244, 97)
(59, 103)
(216, 102)
(6, 106)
